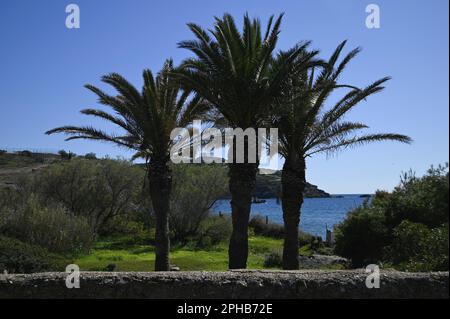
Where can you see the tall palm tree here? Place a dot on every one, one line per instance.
(147, 119)
(234, 72)
(307, 128)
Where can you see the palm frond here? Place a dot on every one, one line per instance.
(147, 117)
(235, 71)
(88, 132)
(360, 140)
(306, 128)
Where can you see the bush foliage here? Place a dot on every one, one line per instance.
(52, 227)
(260, 227)
(407, 228)
(19, 257)
(195, 190)
(66, 205)
(69, 204)
(273, 259)
(97, 190)
(213, 231)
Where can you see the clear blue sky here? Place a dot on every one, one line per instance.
(44, 65)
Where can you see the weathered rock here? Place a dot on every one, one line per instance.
(231, 284)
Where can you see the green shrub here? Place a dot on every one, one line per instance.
(260, 227)
(324, 250)
(407, 228)
(217, 229)
(212, 231)
(65, 205)
(362, 237)
(122, 225)
(415, 247)
(66, 155)
(50, 227)
(409, 241)
(90, 156)
(195, 189)
(203, 242)
(10, 201)
(97, 190)
(305, 238)
(274, 259)
(422, 200)
(19, 257)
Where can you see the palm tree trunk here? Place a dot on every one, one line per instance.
(242, 181)
(160, 181)
(293, 185)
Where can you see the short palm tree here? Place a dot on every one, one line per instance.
(147, 119)
(234, 72)
(306, 128)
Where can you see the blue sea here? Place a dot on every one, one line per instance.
(317, 213)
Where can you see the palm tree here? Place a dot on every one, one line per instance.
(147, 119)
(234, 72)
(306, 128)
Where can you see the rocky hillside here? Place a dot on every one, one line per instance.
(268, 182)
(268, 185)
(12, 166)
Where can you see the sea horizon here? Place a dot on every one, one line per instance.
(317, 213)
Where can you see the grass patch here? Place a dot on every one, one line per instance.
(263, 245)
(306, 250)
(134, 257)
(142, 257)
